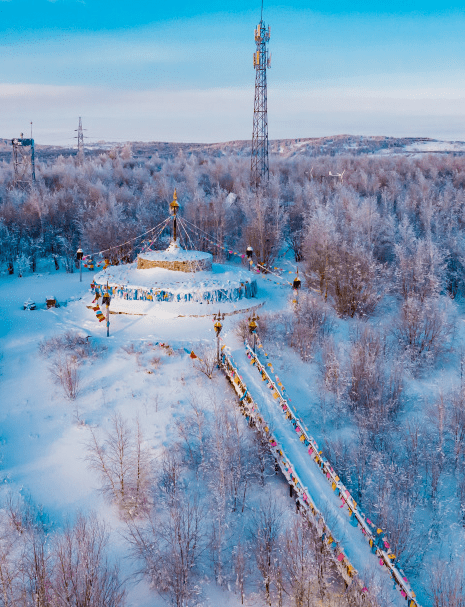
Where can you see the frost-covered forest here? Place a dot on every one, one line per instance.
(389, 219)
(377, 333)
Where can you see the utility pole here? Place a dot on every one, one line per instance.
(80, 141)
(253, 328)
(79, 256)
(218, 326)
(174, 207)
(106, 299)
(261, 62)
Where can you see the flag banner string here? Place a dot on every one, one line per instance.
(96, 308)
(188, 238)
(104, 264)
(89, 263)
(157, 235)
(291, 475)
(270, 367)
(245, 290)
(375, 536)
(258, 268)
(127, 241)
(231, 251)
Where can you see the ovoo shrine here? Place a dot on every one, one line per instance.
(175, 275)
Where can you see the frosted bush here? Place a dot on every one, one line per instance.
(424, 328)
(70, 343)
(65, 371)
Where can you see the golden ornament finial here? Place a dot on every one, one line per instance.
(174, 206)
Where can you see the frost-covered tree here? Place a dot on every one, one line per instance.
(123, 464)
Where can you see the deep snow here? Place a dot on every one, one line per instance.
(42, 445)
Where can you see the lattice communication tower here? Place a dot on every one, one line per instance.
(80, 140)
(23, 163)
(261, 62)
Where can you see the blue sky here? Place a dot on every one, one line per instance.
(183, 71)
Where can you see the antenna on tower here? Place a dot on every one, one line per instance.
(261, 62)
(23, 162)
(80, 141)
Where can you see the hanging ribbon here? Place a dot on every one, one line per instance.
(98, 313)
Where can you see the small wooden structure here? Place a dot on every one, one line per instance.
(51, 302)
(29, 305)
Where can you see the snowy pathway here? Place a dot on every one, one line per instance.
(371, 569)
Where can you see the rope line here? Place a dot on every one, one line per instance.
(189, 240)
(157, 235)
(200, 230)
(127, 241)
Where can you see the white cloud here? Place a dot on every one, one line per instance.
(221, 114)
(38, 91)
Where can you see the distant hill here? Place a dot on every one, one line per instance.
(284, 148)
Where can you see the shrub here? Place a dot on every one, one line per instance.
(65, 372)
(355, 279)
(206, 360)
(70, 343)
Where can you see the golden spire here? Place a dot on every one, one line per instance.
(174, 206)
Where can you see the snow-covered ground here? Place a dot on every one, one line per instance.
(43, 442)
(44, 435)
(436, 146)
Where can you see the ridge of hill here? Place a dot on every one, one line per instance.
(285, 148)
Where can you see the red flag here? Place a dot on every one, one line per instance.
(192, 355)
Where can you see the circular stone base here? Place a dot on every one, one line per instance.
(161, 310)
(175, 258)
(222, 284)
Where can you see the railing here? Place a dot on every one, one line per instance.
(366, 525)
(375, 541)
(252, 412)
